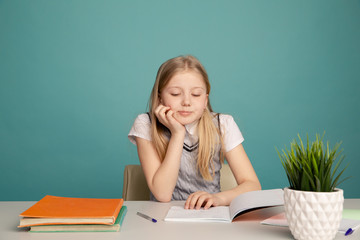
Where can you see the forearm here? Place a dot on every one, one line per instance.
(227, 196)
(164, 180)
(243, 172)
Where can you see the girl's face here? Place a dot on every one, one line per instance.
(186, 95)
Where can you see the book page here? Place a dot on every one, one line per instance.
(213, 214)
(256, 199)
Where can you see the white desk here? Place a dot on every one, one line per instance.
(135, 227)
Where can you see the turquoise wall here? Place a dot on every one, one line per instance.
(75, 74)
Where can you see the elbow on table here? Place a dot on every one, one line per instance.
(163, 197)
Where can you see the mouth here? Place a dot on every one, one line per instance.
(184, 113)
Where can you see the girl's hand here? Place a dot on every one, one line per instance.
(202, 199)
(166, 117)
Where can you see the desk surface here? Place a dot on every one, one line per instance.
(135, 227)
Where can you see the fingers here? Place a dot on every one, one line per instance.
(198, 200)
(161, 110)
(166, 117)
(162, 113)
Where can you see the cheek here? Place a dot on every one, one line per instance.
(168, 103)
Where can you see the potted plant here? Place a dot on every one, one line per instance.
(313, 205)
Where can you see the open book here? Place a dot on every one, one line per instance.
(243, 203)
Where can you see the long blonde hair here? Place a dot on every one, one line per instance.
(209, 134)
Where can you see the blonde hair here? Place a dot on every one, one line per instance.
(209, 134)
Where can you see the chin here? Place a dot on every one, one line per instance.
(185, 120)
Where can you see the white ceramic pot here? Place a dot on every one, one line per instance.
(313, 215)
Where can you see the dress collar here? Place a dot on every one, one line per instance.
(191, 128)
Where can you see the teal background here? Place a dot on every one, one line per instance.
(75, 74)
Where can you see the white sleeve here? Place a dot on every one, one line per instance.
(141, 128)
(230, 131)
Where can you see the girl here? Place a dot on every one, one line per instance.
(181, 143)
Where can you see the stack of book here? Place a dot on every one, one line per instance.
(63, 214)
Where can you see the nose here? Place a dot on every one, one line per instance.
(186, 101)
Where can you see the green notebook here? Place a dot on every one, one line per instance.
(84, 228)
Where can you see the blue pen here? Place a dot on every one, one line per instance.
(349, 231)
(146, 217)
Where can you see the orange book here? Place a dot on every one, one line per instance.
(52, 210)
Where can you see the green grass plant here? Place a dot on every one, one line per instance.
(314, 167)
